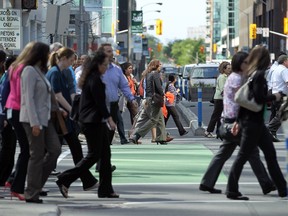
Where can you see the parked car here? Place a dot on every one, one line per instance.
(204, 75)
(184, 82)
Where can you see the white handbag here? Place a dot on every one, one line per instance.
(241, 97)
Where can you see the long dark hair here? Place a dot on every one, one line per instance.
(237, 60)
(39, 53)
(259, 59)
(91, 65)
(124, 66)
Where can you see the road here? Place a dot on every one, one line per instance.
(157, 180)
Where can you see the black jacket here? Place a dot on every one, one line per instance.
(93, 107)
(153, 84)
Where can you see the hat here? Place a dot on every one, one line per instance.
(282, 58)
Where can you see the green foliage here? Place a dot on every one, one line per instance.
(185, 51)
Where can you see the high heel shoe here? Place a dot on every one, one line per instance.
(113, 195)
(161, 142)
(7, 186)
(19, 196)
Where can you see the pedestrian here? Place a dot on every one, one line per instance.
(35, 116)
(8, 137)
(115, 81)
(229, 115)
(94, 118)
(151, 116)
(59, 61)
(224, 70)
(127, 69)
(170, 105)
(16, 181)
(253, 129)
(279, 80)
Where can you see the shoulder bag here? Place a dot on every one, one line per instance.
(157, 99)
(242, 97)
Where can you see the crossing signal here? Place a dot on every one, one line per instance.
(253, 31)
(159, 27)
(285, 25)
(29, 4)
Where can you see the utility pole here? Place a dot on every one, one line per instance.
(51, 35)
(81, 41)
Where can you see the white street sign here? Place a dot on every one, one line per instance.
(258, 30)
(265, 32)
(10, 29)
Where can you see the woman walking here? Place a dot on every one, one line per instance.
(35, 116)
(170, 105)
(253, 129)
(225, 70)
(230, 112)
(59, 61)
(95, 118)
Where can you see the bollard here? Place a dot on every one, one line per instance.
(200, 130)
(285, 129)
(186, 89)
(199, 91)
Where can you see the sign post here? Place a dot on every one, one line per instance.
(10, 29)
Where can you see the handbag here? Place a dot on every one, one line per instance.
(224, 132)
(74, 115)
(245, 98)
(157, 100)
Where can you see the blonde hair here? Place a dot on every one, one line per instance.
(62, 52)
(22, 56)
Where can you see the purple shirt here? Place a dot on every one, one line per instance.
(232, 84)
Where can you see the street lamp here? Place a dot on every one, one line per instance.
(159, 3)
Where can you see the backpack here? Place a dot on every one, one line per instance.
(140, 90)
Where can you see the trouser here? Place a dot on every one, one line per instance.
(114, 109)
(173, 112)
(7, 153)
(132, 110)
(120, 127)
(253, 134)
(275, 122)
(88, 180)
(44, 151)
(216, 115)
(150, 117)
(224, 153)
(98, 148)
(20, 172)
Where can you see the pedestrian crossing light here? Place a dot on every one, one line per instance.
(29, 4)
(285, 25)
(159, 47)
(159, 27)
(253, 31)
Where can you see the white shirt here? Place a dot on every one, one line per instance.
(279, 80)
(269, 75)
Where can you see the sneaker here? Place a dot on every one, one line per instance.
(209, 135)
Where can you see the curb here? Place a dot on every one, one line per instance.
(190, 118)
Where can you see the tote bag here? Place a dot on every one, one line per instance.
(242, 97)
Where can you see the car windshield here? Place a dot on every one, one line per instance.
(169, 70)
(204, 72)
(188, 70)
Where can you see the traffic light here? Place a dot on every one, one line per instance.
(29, 4)
(214, 48)
(201, 49)
(285, 25)
(253, 31)
(223, 51)
(159, 27)
(159, 47)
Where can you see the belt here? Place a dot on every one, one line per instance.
(229, 120)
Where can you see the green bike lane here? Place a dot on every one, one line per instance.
(156, 164)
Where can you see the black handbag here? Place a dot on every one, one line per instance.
(157, 100)
(224, 132)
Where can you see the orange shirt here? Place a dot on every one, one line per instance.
(131, 85)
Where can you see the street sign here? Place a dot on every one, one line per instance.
(265, 32)
(136, 21)
(10, 29)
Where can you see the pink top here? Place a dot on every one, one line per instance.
(14, 98)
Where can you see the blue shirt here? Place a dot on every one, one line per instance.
(114, 79)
